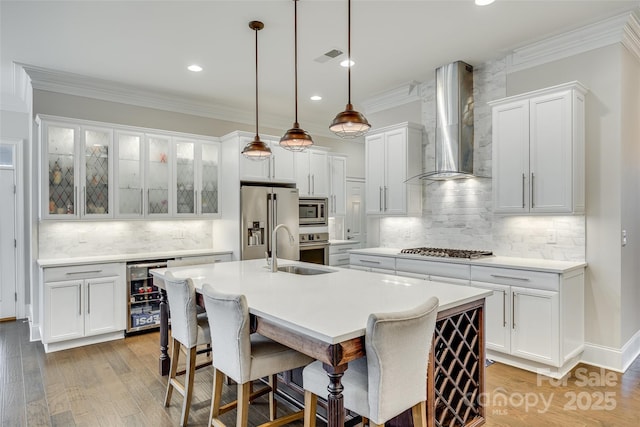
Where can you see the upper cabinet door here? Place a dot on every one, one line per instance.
(209, 178)
(394, 192)
(158, 175)
(319, 170)
(60, 192)
(282, 163)
(185, 178)
(129, 179)
(375, 172)
(253, 170)
(337, 183)
(511, 157)
(97, 194)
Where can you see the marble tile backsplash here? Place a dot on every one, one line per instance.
(458, 213)
(80, 239)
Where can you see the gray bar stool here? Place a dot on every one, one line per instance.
(392, 377)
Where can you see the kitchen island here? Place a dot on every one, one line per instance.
(325, 316)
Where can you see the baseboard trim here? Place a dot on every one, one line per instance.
(64, 345)
(616, 359)
(34, 332)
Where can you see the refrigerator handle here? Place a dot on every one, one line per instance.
(270, 221)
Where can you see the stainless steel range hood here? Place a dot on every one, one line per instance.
(454, 123)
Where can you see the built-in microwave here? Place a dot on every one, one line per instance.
(312, 211)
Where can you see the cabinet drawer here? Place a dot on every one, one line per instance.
(339, 259)
(377, 262)
(342, 249)
(56, 274)
(513, 277)
(434, 268)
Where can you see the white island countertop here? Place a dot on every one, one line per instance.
(141, 256)
(544, 265)
(331, 307)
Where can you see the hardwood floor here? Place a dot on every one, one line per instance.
(117, 384)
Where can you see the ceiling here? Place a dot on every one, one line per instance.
(149, 44)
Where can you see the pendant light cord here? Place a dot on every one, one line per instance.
(295, 53)
(349, 49)
(256, 31)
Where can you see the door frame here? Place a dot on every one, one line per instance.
(18, 145)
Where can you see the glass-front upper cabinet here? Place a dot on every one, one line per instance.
(158, 175)
(209, 178)
(196, 177)
(97, 172)
(129, 178)
(60, 175)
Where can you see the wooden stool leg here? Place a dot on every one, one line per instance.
(310, 406)
(419, 413)
(273, 405)
(175, 353)
(244, 392)
(188, 385)
(218, 378)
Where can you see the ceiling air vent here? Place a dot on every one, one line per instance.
(327, 56)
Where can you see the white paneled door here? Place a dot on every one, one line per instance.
(356, 219)
(7, 244)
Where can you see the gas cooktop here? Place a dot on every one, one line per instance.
(446, 253)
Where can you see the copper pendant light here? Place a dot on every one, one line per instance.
(296, 139)
(349, 123)
(256, 149)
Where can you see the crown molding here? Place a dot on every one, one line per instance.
(79, 85)
(401, 95)
(623, 28)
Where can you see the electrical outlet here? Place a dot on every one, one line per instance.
(82, 237)
(624, 237)
(552, 236)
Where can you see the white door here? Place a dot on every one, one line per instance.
(375, 172)
(8, 290)
(356, 218)
(319, 170)
(395, 191)
(102, 306)
(63, 311)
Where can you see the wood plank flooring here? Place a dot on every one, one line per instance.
(117, 384)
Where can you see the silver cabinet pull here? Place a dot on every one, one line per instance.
(504, 309)
(273, 168)
(88, 298)
(523, 178)
(385, 197)
(499, 276)
(513, 310)
(313, 183)
(309, 183)
(76, 198)
(369, 261)
(70, 273)
(532, 191)
(84, 205)
(380, 199)
(141, 201)
(80, 299)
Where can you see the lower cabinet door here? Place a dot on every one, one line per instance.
(63, 310)
(104, 304)
(497, 320)
(535, 325)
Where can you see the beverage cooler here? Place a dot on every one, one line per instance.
(143, 305)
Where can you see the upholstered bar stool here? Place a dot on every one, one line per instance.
(244, 357)
(188, 331)
(392, 377)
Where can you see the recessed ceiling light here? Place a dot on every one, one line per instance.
(316, 98)
(345, 63)
(195, 68)
(484, 2)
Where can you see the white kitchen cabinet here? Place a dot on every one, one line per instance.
(77, 170)
(392, 155)
(538, 151)
(129, 194)
(446, 272)
(339, 253)
(312, 173)
(196, 177)
(376, 264)
(279, 167)
(533, 320)
(83, 304)
(338, 185)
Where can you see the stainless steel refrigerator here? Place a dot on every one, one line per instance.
(262, 208)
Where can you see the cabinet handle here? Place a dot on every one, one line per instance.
(80, 300)
(70, 273)
(313, 183)
(84, 205)
(513, 310)
(195, 201)
(76, 197)
(504, 309)
(523, 191)
(141, 202)
(499, 276)
(532, 191)
(369, 261)
(272, 169)
(88, 298)
(385, 197)
(380, 199)
(309, 183)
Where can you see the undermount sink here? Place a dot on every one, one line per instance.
(306, 271)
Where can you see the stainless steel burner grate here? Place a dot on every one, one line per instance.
(446, 253)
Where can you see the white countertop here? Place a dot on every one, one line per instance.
(544, 265)
(331, 307)
(101, 259)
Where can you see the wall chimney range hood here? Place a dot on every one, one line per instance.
(454, 123)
